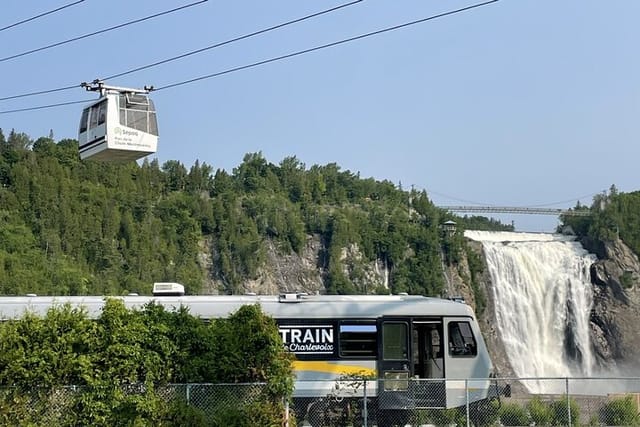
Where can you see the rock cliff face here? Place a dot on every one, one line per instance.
(615, 318)
(304, 272)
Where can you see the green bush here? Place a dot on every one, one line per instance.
(539, 412)
(512, 414)
(182, 414)
(485, 412)
(122, 361)
(259, 414)
(620, 412)
(627, 279)
(438, 417)
(560, 412)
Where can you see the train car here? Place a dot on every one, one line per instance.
(119, 126)
(417, 352)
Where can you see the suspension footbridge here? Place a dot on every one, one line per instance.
(516, 210)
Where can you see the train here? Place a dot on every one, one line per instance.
(416, 352)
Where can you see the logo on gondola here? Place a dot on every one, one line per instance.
(124, 132)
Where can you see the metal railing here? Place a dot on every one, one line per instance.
(355, 402)
(517, 210)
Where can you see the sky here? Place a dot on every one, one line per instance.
(516, 103)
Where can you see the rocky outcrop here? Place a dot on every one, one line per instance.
(298, 273)
(615, 318)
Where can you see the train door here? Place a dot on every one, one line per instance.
(427, 360)
(427, 354)
(394, 364)
(466, 365)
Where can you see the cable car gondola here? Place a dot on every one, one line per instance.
(120, 126)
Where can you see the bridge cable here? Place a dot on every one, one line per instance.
(565, 201)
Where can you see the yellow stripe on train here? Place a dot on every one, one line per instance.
(333, 368)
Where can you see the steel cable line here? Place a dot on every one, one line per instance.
(246, 36)
(325, 46)
(193, 52)
(42, 107)
(135, 21)
(446, 196)
(40, 92)
(290, 55)
(561, 202)
(33, 18)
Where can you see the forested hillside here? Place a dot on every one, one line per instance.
(72, 227)
(613, 214)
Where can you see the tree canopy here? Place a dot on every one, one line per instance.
(612, 215)
(82, 227)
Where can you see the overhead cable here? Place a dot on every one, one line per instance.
(324, 46)
(40, 92)
(193, 52)
(33, 18)
(42, 107)
(233, 40)
(290, 55)
(135, 21)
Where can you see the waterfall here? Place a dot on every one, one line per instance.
(543, 300)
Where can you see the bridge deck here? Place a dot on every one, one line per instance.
(517, 210)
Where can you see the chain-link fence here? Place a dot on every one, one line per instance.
(179, 404)
(383, 403)
(472, 402)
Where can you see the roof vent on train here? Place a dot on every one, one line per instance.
(168, 289)
(292, 297)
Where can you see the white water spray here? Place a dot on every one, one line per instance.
(543, 301)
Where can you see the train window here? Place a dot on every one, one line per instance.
(461, 339)
(358, 340)
(436, 347)
(394, 338)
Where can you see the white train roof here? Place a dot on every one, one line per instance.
(284, 306)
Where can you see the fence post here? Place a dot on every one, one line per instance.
(466, 392)
(188, 394)
(286, 412)
(365, 415)
(568, 401)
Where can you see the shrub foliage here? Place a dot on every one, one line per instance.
(120, 363)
